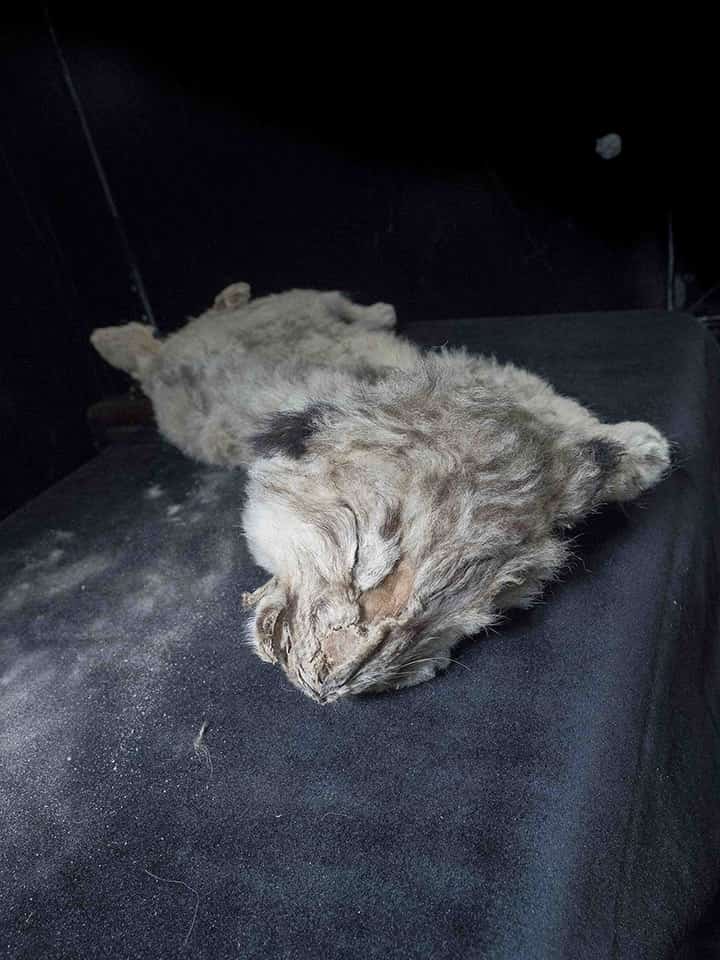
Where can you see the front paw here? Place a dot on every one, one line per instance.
(647, 455)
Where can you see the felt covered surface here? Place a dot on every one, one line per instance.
(554, 796)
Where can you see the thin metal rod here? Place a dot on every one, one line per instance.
(670, 283)
(136, 281)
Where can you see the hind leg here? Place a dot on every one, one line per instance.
(378, 316)
(645, 460)
(131, 347)
(644, 453)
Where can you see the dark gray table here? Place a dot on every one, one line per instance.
(558, 796)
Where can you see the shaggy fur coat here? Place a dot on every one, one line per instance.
(399, 500)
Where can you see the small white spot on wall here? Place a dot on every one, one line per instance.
(609, 146)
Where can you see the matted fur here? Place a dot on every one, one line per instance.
(400, 500)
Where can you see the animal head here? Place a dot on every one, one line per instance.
(399, 519)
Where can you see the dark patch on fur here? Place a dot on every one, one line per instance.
(371, 375)
(191, 382)
(269, 624)
(391, 523)
(605, 454)
(277, 639)
(432, 416)
(288, 432)
(189, 377)
(291, 608)
(169, 378)
(439, 486)
(442, 489)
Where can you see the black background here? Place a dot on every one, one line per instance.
(343, 154)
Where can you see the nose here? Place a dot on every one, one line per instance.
(340, 647)
(322, 690)
(314, 679)
(323, 676)
(318, 696)
(327, 692)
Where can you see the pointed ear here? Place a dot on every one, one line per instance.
(268, 631)
(270, 600)
(389, 598)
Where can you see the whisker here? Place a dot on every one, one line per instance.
(409, 663)
(401, 651)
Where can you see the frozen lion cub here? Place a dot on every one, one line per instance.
(399, 500)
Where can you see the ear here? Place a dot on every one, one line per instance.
(389, 598)
(266, 629)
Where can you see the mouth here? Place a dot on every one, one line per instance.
(336, 667)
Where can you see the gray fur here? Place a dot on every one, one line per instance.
(395, 513)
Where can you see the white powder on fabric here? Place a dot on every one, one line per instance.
(44, 579)
(89, 643)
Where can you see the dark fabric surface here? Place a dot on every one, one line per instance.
(555, 796)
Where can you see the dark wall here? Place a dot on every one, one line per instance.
(227, 165)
